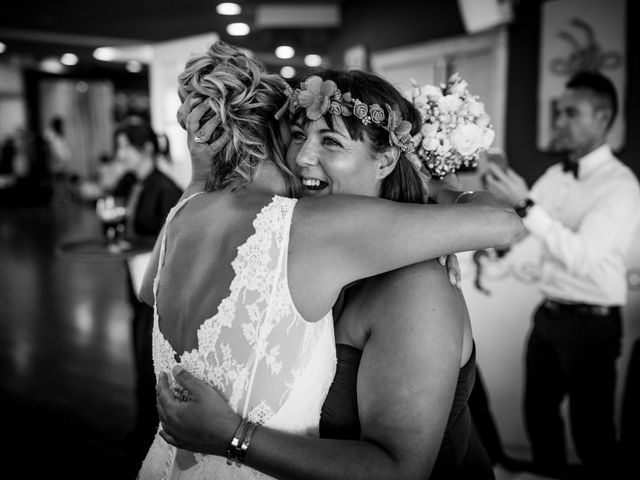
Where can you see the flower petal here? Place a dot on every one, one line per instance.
(403, 128)
(328, 88)
(313, 84)
(306, 98)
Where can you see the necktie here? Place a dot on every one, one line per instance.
(569, 166)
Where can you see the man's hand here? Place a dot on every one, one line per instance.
(506, 185)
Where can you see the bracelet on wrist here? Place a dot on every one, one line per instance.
(462, 195)
(239, 445)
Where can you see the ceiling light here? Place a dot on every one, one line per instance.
(287, 72)
(312, 60)
(238, 29)
(51, 65)
(106, 54)
(285, 51)
(228, 8)
(3, 47)
(69, 59)
(133, 66)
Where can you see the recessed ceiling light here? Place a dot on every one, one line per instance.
(312, 60)
(238, 29)
(51, 65)
(69, 59)
(133, 66)
(106, 54)
(228, 8)
(287, 71)
(285, 51)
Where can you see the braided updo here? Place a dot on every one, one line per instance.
(246, 99)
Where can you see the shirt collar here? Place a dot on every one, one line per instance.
(594, 159)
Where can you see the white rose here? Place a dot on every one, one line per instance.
(487, 138)
(459, 88)
(483, 121)
(429, 130)
(466, 139)
(449, 103)
(431, 91)
(421, 101)
(475, 108)
(430, 144)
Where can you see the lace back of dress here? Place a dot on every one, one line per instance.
(255, 349)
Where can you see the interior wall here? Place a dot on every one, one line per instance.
(168, 61)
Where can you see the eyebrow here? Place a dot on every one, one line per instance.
(300, 125)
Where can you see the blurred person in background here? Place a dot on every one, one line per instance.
(584, 211)
(149, 194)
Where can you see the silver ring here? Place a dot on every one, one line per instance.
(197, 139)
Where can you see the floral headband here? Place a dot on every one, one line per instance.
(319, 96)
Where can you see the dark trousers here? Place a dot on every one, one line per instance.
(484, 421)
(146, 413)
(573, 354)
(630, 421)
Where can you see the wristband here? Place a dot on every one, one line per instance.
(234, 452)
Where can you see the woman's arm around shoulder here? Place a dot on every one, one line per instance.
(343, 238)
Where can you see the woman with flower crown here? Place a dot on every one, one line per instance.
(246, 279)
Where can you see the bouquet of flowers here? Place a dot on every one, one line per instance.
(456, 128)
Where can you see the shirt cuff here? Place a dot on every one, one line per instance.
(537, 221)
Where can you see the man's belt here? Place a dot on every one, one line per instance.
(579, 308)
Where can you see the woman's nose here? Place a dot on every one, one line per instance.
(307, 155)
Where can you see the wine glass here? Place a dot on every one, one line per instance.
(113, 214)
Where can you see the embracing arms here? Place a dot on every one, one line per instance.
(406, 383)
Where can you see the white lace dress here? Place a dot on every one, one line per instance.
(273, 366)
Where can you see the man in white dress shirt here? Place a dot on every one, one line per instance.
(585, 212)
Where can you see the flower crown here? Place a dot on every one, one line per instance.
(319, 96)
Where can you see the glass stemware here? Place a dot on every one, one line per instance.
(113, 214)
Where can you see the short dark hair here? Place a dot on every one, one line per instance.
(600, 86)
(138, 132)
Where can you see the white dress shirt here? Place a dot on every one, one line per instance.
(586, 227)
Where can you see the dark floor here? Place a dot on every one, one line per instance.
(65, 352)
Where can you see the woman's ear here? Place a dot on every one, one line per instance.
(387, 161)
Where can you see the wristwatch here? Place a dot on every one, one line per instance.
(523, 207)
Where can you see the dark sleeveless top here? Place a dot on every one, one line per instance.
(461, 455)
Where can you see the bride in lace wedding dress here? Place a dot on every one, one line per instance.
(244, 277)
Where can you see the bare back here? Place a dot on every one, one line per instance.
(205, 237)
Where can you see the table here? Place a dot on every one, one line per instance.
(97, 249)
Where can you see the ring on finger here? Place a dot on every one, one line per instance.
(197, 139)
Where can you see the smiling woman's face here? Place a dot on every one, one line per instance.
(328, 161)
